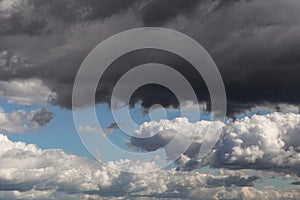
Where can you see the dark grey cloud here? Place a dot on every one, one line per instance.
(41, 17)
(42, 116)
(295, 183)
(113, 125)
(157, 13)
(254, 43)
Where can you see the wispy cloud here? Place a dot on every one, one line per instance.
(94, 129)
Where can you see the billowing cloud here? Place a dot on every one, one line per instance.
(159, 134)
(27, 172)
(268, 142)
(21, 121)
(25, 92)
(254, 47)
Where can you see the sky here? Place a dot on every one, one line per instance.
(53, 149)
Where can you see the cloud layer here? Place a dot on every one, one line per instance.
(27, 172)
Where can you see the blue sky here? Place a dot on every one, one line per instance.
(61, 132)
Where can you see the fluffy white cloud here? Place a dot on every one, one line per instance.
(27, 172)
(25, 92)
(21, 121)
(269, 142)
(159, 134)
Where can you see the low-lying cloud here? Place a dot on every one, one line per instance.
(27, 172)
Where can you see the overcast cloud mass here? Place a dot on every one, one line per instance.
(254, 43)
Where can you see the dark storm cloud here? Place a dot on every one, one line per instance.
(36, 17)
(158, 12)
(255, 44)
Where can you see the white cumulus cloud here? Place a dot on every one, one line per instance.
(27, 172)
(268, 142)
(25, 92)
